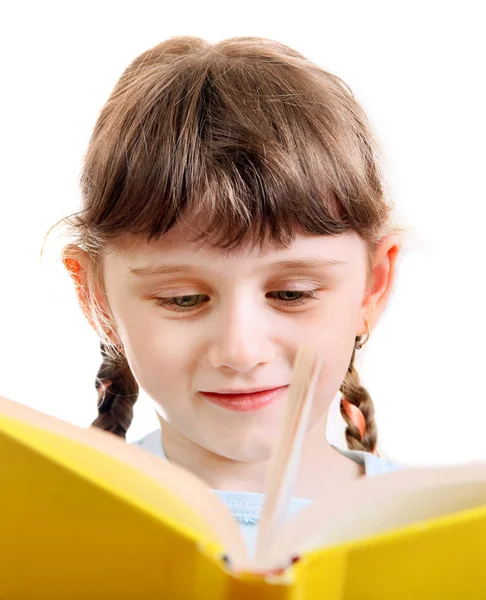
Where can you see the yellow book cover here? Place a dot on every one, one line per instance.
(84, 515)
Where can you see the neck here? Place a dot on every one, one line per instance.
(320, 465)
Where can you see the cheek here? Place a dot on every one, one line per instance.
(334, 337)
(335, 325)
(336, 360)
(158, 351)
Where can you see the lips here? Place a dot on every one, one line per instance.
(229, 391)
(245, 401)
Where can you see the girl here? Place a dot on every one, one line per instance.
(233, 208)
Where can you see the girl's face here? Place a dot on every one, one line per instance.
(198, 322)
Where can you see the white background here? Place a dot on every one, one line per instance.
(418, 68)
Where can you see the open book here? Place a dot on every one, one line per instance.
(84, 515)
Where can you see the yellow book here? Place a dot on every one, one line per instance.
(83, 515)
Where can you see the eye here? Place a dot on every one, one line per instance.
(182, 303)
(293, 296)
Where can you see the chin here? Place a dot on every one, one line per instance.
(247, 448)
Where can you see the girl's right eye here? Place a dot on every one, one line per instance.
(182, 303)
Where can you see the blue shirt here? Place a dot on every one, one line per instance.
(246, 506)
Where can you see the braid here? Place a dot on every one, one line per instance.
(357, 395)
(117, 393)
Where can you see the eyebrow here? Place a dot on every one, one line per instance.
(284, 265)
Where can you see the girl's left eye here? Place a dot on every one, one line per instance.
(293, 296)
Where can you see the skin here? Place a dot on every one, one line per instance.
(243, 318)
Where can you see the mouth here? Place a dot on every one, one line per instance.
(247, 400)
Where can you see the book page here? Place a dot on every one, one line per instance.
(284, 463)
(373, 505)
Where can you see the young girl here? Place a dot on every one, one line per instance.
(233, 209)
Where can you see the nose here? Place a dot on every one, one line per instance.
(242, 341)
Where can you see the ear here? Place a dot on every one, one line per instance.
(381, 282)
(79, 264)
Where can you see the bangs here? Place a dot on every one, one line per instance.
(246, 145)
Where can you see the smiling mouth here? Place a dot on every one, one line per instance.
(245, 401)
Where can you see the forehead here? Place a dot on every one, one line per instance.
(132, 252)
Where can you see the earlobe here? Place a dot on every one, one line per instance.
(360, 342)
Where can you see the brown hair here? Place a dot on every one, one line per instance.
(248, 138)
